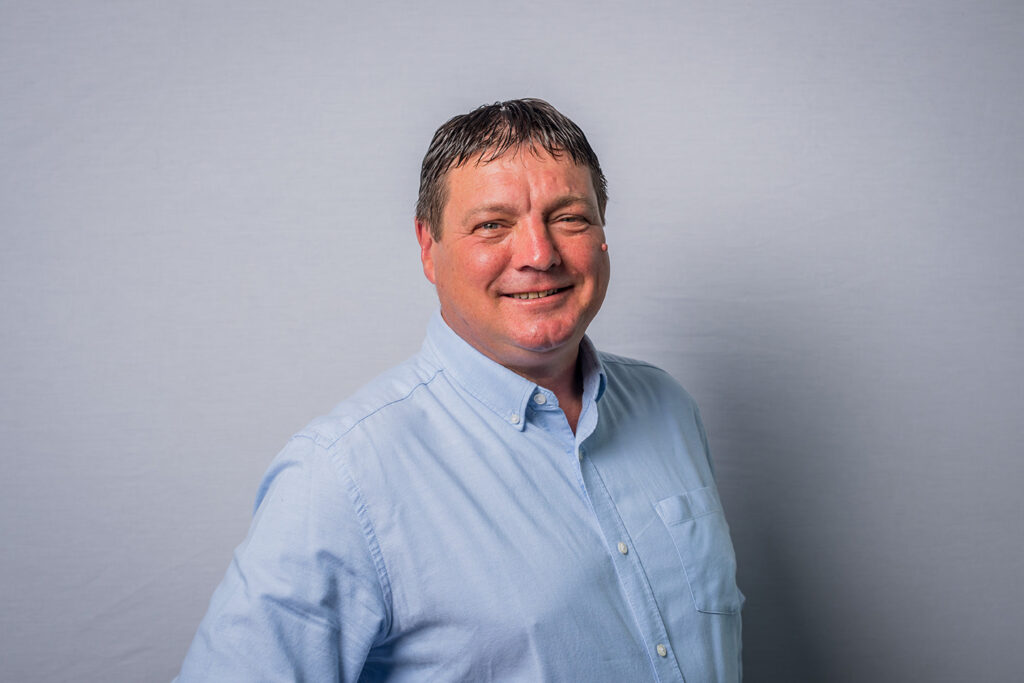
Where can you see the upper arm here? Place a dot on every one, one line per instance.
(302, 599)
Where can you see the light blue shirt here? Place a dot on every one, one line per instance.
(445, 524)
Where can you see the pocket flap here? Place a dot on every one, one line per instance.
(690, 505)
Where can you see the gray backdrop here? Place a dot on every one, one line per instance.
(816, 225)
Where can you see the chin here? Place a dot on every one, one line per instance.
(545, 342)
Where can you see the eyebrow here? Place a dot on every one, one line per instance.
(560, 203)
(491, 208)
(569, 200)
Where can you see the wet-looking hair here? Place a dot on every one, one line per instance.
(487, 133)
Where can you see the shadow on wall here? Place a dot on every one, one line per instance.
(770, 376)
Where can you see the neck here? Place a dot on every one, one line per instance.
(557, 371)
(565, 381)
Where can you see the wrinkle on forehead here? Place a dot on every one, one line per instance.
(502, 188)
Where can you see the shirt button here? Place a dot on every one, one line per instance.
(514, 419)
(540, 399)
(662, 650)
(623, 548)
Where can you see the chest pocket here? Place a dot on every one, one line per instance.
(697, 525)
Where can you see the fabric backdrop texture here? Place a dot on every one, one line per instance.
(815, 225)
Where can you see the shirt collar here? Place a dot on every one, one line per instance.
(503, 391)
(594, 378)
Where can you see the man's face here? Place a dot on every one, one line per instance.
(519, 268)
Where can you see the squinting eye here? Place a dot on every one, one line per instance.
(490, 226)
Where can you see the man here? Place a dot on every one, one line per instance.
(509, 504)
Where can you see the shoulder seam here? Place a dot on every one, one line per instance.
(320, 437)
(622, 360)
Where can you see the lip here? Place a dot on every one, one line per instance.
(537, 294)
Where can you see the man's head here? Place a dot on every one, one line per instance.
(512, 235)
(491, 131)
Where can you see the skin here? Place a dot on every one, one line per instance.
(525, 222)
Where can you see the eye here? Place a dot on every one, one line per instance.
(490, 228)
(573, 219)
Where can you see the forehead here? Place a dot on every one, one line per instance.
(524, 173)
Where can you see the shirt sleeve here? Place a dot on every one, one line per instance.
(302, 598)
(703, 438)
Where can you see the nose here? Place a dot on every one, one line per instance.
(534, 246)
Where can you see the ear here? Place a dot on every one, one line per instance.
(427, 245)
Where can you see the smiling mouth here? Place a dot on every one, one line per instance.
(537, 295)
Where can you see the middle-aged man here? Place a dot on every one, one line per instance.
(509, 504)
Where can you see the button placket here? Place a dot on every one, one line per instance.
(633, 578)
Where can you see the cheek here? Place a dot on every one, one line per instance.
(482, 266)
(588, 259)
(471, 270)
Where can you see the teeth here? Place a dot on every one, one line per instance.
(535, 295)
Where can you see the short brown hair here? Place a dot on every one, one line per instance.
(488, 132)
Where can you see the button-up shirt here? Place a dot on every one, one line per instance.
(446, 524)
